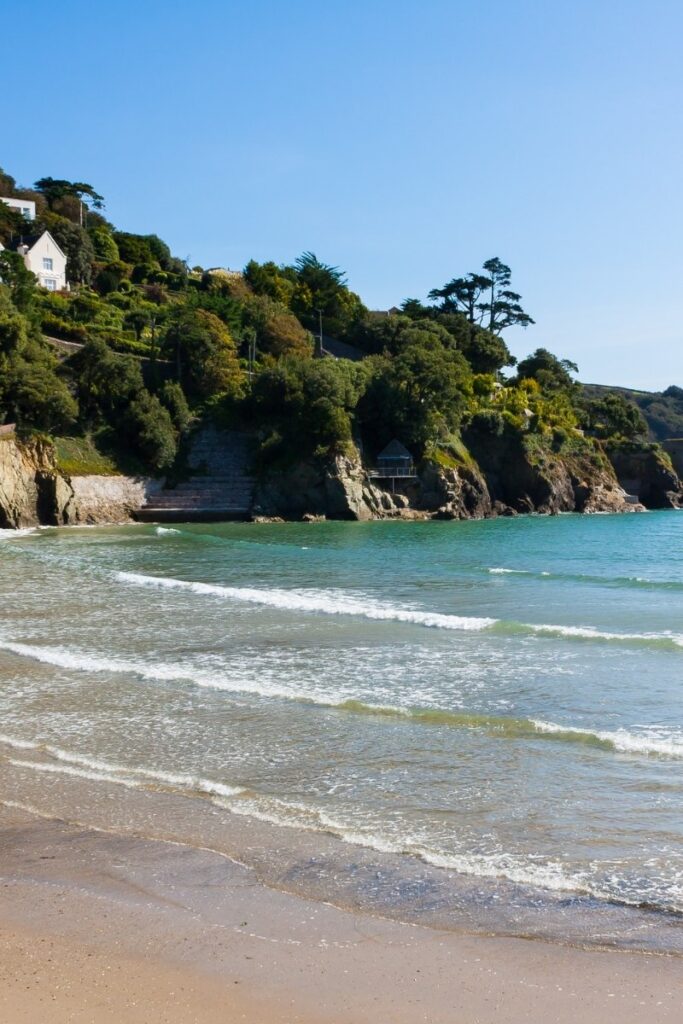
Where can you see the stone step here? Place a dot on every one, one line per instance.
(221, 487)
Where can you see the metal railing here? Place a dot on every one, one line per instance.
(393, 471)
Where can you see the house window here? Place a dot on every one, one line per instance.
(47, 263)
(26, 212)
(50, 284)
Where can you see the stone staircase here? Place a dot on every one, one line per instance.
(219, 488)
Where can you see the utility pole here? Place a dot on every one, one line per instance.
(320, 332)
(251, 352)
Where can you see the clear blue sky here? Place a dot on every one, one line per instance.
(405, 142)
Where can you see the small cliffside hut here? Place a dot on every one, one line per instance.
(394, 462)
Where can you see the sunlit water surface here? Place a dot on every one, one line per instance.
(471, 724)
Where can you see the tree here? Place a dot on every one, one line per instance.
(104, 245)
(485, 299)
(136, 249)
(77, 246)
(552, 374)
(150, 431)
(278, 331)
(614, 416)
(31, 391)
(18, 278)
(138, 319)
(420, 393)
(321, 289)
(12, 223)
(270, 280)
(173, 398)
(57, 189)
(462, 295)
(307, 405)
(205, 354)
(106, 383)
(484, 351)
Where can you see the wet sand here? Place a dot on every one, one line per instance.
(96, 928)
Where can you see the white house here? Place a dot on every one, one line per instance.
(26, 207)
(46, 260)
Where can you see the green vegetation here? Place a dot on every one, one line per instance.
(78, 456)
(162, 344)
(662, 411)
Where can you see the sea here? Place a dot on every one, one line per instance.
(474, 726)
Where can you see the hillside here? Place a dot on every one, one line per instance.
(145, 349)
(663, 410)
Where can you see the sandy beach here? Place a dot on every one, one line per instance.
(96, 927)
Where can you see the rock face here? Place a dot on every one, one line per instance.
(647, 472)
(546, 482)
(106, 499)
(23, 469)
(505, 482)
(506, 479)
(33, 492)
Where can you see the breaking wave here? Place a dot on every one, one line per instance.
(16, 534)
(337, 603)
(547, 874)
(104, 771)
(646, 743)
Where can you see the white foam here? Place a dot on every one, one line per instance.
(162, 530)
(16, 534)
(517, 572)
(590, 633)
(81, 661)
(18, 744)
(549, 875)
(622, 740)
(325, 602)
(81, 773)
(337, 603)
(98, 770)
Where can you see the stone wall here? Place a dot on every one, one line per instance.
(33, 492)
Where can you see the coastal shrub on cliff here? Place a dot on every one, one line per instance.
(32, 394)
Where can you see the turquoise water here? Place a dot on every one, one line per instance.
(487, 714)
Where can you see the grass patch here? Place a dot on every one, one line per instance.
(78, 456)
(450, 453)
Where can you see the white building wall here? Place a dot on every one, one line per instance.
(47, 261)
(25, 206)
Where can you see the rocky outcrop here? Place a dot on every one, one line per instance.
(23, 470)
(336, 488)
(531, 478)
(507, 478)
(33, 492)
(453, 492)
(647, 471)
(673, 447)
(339, 488)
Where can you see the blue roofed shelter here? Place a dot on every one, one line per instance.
(394, 462)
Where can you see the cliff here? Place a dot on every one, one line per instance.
(33, 492)
(506, 479)
(525, 474)
(504, 475)
(647, 470)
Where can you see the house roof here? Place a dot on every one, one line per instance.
(395, 450)
(32, 240)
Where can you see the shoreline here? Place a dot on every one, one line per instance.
(81, 910)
